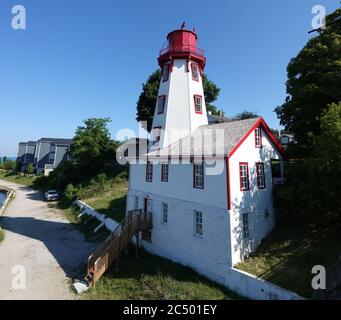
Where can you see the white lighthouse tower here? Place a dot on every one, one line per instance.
(180, 107)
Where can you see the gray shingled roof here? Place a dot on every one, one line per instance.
(57, 140)
(225, 136)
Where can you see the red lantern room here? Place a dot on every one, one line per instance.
(182, 44)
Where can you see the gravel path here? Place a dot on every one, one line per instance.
(39, 239)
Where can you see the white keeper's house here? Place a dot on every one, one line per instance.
(208, 186)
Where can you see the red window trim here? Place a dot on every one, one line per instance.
(203, 176)
(192, 67)
(195, 109)
(270, 135)
(149, 163)
(163, 103)
(162, 166)
(168, 71)
(262, 164)
(260, 137)
(247, 174)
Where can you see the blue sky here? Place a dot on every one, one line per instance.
(88, 58)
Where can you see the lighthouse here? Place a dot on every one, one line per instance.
(180, 107)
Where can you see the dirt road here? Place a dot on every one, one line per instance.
(41, 250)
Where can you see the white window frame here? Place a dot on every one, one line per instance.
(164, 213)
(164, 172)
(260, 172)
(198, 172)
(198, 224)
(258, 137)
(136, 202)
(149, 171)
(246, 225)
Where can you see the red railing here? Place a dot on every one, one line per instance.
(182, 48)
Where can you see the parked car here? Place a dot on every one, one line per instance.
(51, 195)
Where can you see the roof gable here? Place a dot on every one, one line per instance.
(217, 140)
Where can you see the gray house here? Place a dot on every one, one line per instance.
(46, 153)
(26, 152)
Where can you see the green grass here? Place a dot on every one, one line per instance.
(152, 277)
(2, 235)
(149, 276)
(20, 179)
(287, 256)
(112, 202)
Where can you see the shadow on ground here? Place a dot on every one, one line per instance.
(64, 242)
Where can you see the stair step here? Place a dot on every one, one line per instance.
(114, 244)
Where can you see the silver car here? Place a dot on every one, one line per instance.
(51, 195)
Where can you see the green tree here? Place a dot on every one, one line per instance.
(328, 144)
(211, 92)
(245, 115)
(9, 165)
(30, 168)
(147, 99)
(91, 144)
(101, 179)
(312, 190)
(71, 192)
(18, 166)
(314, 82)
(275, 132)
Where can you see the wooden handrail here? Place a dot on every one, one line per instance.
(112, 246)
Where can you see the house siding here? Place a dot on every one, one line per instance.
(253, 201)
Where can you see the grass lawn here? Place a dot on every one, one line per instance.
(287, 256)
(152, 277)
(112, 203)
(20, 179)
(145, 277)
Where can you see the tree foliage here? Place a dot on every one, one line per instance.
(312, 189)
(92, 154)
(91, 146)
(245, 115)
(147, 99)
(9, 165)
(314, 82)
(30, 168)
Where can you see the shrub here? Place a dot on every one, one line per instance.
(101, 179)
(71, 192)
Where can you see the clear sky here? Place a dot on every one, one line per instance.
(88, 58)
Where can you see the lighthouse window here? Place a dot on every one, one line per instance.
(161, 104)
(165, 72)
(198, 103)
(195, 72)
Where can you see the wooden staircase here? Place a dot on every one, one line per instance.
(110, 249)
